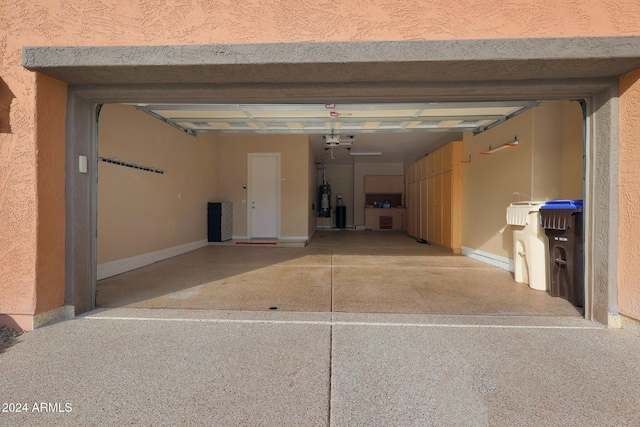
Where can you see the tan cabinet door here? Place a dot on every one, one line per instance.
(371, 219)
(438, 209)
(431, 166)
(409, 203)
(424, 168)
(447, 152)
(431, 213)
(395, 184)
(410, 210)
(416, 209)
(437, 158)
(424, 209)
(371, 184)
(446, 209)
(437, 217)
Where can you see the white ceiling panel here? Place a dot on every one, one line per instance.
(333, 118)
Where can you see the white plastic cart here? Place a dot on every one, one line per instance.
(530, 244)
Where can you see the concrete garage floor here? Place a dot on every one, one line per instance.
(339, 271)
(191, 367)
(525, 360)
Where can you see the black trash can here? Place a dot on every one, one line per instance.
(341, 217)
(562, 221)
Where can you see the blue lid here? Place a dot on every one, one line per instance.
(563, 204)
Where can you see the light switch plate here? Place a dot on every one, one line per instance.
(82, 164)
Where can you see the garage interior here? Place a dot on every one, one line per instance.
(161, 164)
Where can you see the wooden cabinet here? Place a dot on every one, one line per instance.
(447, 160)
(422, 217)
(431, 210)
(372, 218)
(431, 165)
(446, 210)
(422, 168)
(384, 184)
(438, 202)
(435, 204)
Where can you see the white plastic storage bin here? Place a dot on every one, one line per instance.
(530, 244)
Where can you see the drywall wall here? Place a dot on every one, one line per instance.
(359, 171)
(140, 212)
(536, 169)
(547, 150)
(294, 174)
(629, 232)
(573, 149)
(491, 182)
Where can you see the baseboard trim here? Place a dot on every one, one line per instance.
(113, 268)
(489, 258)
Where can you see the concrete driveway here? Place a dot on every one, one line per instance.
(129, 366)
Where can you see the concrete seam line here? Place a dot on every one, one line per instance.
(436, 325)
(328, 323)
(160, 319)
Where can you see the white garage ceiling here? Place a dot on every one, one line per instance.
(398, 132)
(344, 119)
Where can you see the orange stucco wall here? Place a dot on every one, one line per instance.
(50, 127)
(629, 189)
(26, 236)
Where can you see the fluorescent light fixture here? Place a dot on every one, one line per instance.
(365, 153)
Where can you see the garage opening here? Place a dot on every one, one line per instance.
(351, 72)
(359, 227)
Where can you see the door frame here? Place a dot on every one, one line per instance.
(250, 157)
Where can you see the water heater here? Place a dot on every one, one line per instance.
(324, 201)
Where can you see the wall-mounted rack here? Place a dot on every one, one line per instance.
(131, 165)
(502, 147)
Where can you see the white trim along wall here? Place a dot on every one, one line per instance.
(113, 268)
(489, 258)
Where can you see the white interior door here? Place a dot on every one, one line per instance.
(264, 201)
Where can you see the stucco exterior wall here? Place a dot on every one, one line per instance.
(155, 22)
(18, 205)
(115, 22)
(50, 157)
(629, 190)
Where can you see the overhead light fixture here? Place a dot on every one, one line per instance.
(365, 153)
